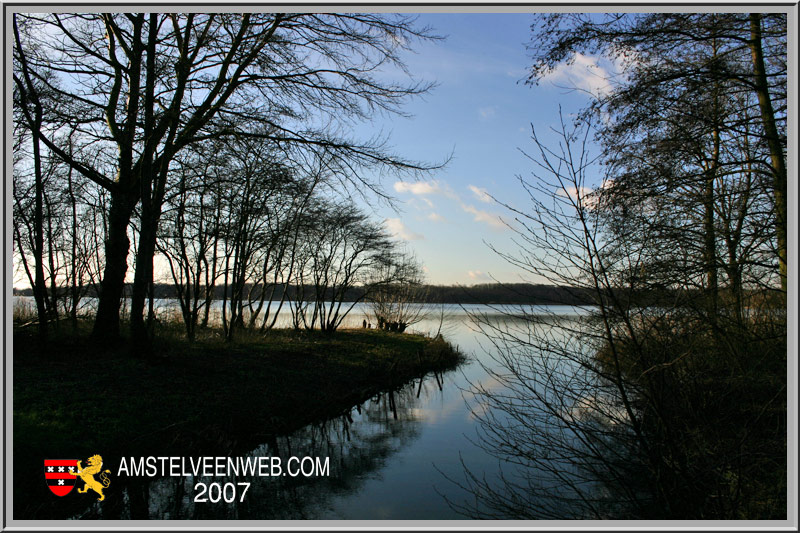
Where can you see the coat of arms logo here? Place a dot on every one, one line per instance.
(61, 475)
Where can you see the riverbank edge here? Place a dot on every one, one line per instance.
(74, 399)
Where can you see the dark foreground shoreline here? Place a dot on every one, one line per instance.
(73, 399)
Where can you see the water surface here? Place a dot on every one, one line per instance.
(400, 455)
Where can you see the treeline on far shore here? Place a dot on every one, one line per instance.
(486, 293)
(489, 293)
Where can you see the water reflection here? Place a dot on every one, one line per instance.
(358, 444)
(404, 455)
(551, 416)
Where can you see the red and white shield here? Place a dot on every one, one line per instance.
(59, 479)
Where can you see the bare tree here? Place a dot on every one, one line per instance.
(399, 300)
(670, 110)
(140, 88)
(620, 410)
(347, 250)
(190, 232)
(70, 232)
(29, 102)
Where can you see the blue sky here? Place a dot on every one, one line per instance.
(482, 112)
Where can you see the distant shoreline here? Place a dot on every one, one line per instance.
(483, 294)
(494, 293)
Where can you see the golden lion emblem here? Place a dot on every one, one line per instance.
(95, 464)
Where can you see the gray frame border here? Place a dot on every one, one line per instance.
(791, 524)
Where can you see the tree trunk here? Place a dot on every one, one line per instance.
(106, 324)
(76, 285)
(709, 231)
(142, 279)
(29, 95)
(710, 259)
(39, 290)
(211, 282)
(151, 212)
(773, 140)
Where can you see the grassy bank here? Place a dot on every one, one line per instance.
(75, 399)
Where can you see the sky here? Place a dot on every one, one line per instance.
(481, 112)
(480, 115)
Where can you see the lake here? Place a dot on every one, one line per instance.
(401, 455)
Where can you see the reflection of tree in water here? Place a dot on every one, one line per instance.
(556, 426)
(357, 444)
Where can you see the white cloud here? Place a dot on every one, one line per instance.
(587, 197)
(484, 216)
(575, 192)
(477, 275)
(424, 188)
(421, 203)
(481, 194)
(418, 187)
(585, 74)
(397, 228)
